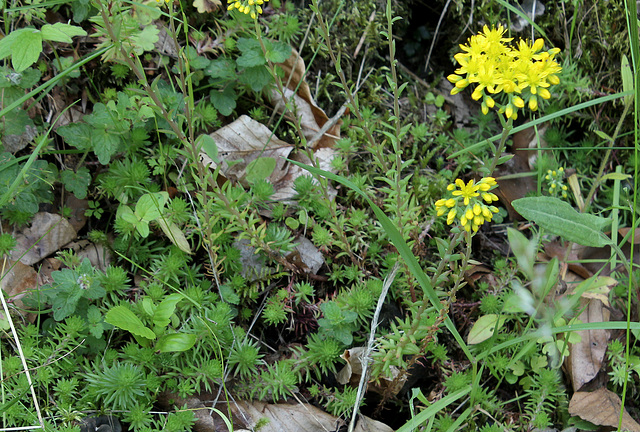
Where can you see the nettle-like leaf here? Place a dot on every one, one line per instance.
(76, 182)
(77, 135)
(277, 52)
(224, 100)
(26, 49)
(257, 77)
(224, 69)
(251, 53)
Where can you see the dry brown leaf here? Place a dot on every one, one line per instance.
(601, 407)
(47, 234)
(99, 256)
(306, 256)
(587, 356)
(284, 187)
(17, 279)
(243, 141)
(207, 5)
(312, 117)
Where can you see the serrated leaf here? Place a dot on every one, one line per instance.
(105, 145)
(60, 32)
(76, 182)
(484, 328)
(251, 53)
(175, 342)
(278, 52)
(26, 49)
(123, 318)
(558, 217)
(77, 135)
(224, 69)
(224, 100)
(256, 77)
(145, 39)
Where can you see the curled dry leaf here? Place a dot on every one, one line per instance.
(312, 117)
(601, 407)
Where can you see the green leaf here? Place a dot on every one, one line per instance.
(60, 32)
(615, 176)
(208, 145)
(77, 135)
(7, 42)
(145, 39)
(175, 234)
(76, 182)
(256, 77)
(278, 52)
(224, 100)
(251, 53)
(224, 69)
(26, 49)
(260, 169)
(126, 214)
(175, 342)
(123, 318)
(149, 207)
(166, 308)
(627, 78)
(105, 145)
(484, 328)
(558, 217)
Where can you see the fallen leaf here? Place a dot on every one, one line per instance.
(601, 407)
(47, 234)
(312, 118)
(17, 279)
(306, 256)
(98, 255)
(244, 141)
(587, 356)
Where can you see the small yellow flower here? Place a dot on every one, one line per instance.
(466, 205)
(248, 7)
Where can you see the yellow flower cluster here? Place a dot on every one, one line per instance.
(522, 72)
(555, 181)
(248, 7)
(465, 205)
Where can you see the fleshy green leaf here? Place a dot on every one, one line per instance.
(122, 317)
(175, 342)
(149, 206)
(558, 217)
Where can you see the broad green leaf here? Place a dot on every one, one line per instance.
(162, 315)
(175, 342)
(7, 42)
(77, 135)
(145, 39)
(484, 328)
(278, 52)
(251, 53)
(76, 182)
(260, 169)
(224, 69)
(105, 144)
(558, 217)
(149, 207)
(224, 100)
(26, 49)
(256, 77)
(126, 214)
(60, 32)
(122, 317)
